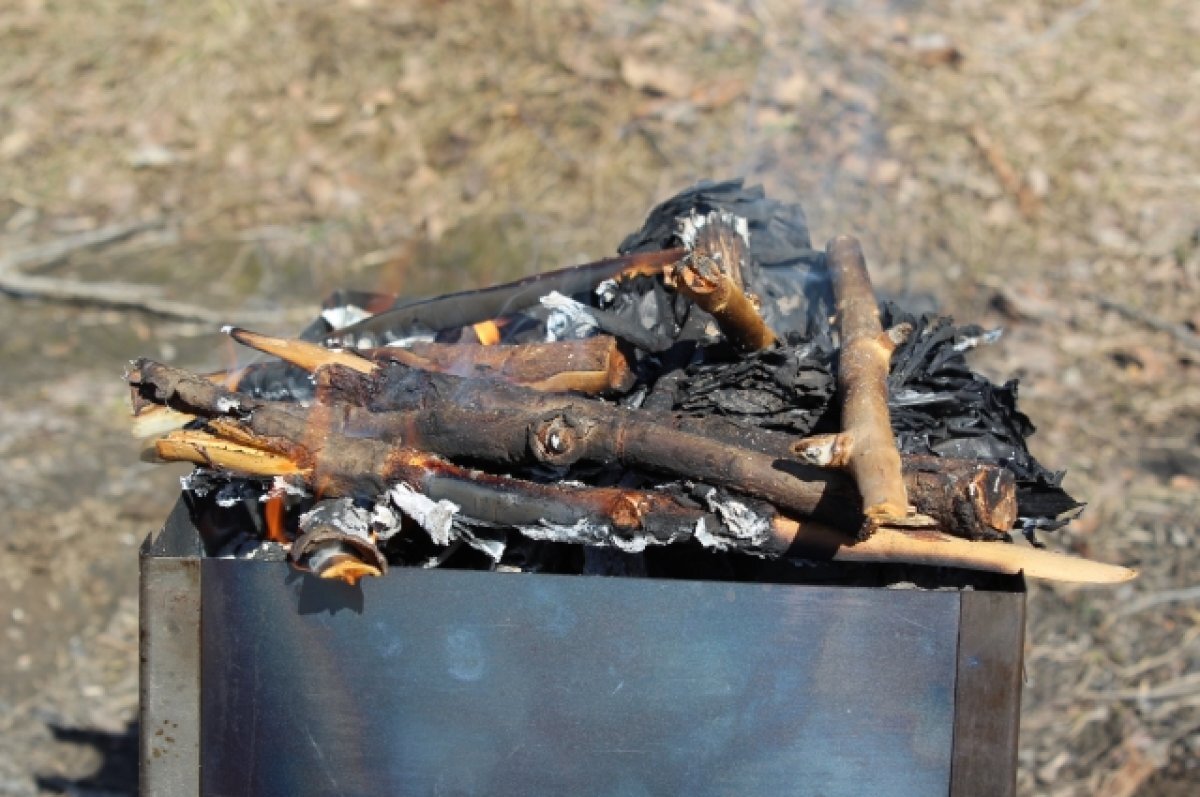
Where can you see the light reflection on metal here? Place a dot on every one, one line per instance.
(431, 681)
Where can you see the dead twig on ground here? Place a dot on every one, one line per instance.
(45, 254)
(1178, 331)
(1027, 201)
(114, 295)
(16, 282)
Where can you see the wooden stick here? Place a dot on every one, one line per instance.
(211, 451)
(862, 379)
(465, 308)
(153, 420)
(593, 365)
(808, 539)
(625, 518)
(479, 420)
(710, 275)
(309, 356)
(356, 467)
(1027, 201)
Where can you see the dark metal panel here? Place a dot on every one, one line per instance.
(445, 682)
(988, 696)
(169, 669)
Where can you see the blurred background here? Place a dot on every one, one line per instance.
(1030, 165)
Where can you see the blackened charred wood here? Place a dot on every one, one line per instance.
(485, 421)
(465, 308)
(474, 420)
(479, 421)
(627, 519)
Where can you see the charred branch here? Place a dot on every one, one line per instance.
(466, 308)
(594, 365)
(624, 519)
(477, 420)
(710, 275)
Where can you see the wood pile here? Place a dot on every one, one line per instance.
(689, 394)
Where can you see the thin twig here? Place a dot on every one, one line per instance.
(1177, 331)
(16, 282)
(1182, 686)
(1158, 599)
(1027, 201)
(117, 295)
(44, 254)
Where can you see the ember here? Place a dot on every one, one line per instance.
(689, 394)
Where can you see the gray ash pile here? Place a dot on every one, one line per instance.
(684, 409)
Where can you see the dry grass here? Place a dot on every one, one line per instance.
(292, 147)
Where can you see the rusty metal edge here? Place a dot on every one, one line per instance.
(169, 661)
(987, 694)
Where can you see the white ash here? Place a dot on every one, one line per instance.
(384, 522)
(239, 491)
(584, 532)
(227, 492)
(407, 341)
(282, 485)
(341, 514)
(226, 404)
(201, 482)
(987, 338)
(344, 316)
(568, 319)
(606, 292)
(436, 517)
(689, 226)
(253, 549)
(739, 521)
(492, 547)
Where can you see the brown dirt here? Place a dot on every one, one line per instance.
(288, 148)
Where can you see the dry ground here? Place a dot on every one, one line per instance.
(285, 148)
